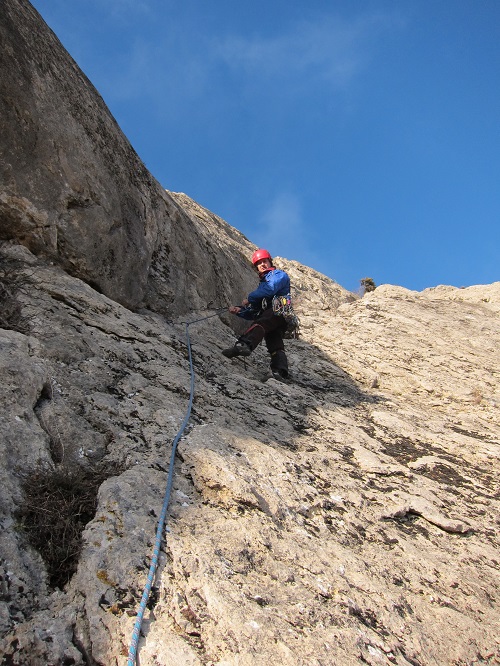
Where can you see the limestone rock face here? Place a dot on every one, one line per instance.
(349, 516)
(73, 190)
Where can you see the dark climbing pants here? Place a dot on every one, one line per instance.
(270, 328)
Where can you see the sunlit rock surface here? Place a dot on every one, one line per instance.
(350, 516)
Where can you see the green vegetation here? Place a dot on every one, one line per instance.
(367, 285)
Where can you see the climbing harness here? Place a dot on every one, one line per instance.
(161, 521)
(282, 305)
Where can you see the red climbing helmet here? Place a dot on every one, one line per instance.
(261, 254)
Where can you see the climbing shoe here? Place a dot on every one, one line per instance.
(279, 374)
(239, 349)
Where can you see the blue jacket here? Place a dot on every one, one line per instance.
(273, 283)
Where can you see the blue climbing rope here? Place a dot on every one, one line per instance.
(161, 521)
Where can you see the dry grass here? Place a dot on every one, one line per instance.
(58, 504)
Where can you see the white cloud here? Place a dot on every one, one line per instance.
(329, 50)
(282, 230)
(124, 9)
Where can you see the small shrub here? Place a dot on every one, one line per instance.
(367, 285)
(58, 504)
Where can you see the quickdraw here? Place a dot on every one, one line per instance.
(282, 305)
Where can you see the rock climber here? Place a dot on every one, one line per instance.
(267, 325)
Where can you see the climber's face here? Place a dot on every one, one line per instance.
(263, 265)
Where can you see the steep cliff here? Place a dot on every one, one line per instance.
(74, 191)
(350, 516)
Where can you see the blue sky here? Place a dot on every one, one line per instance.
(360, 137)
